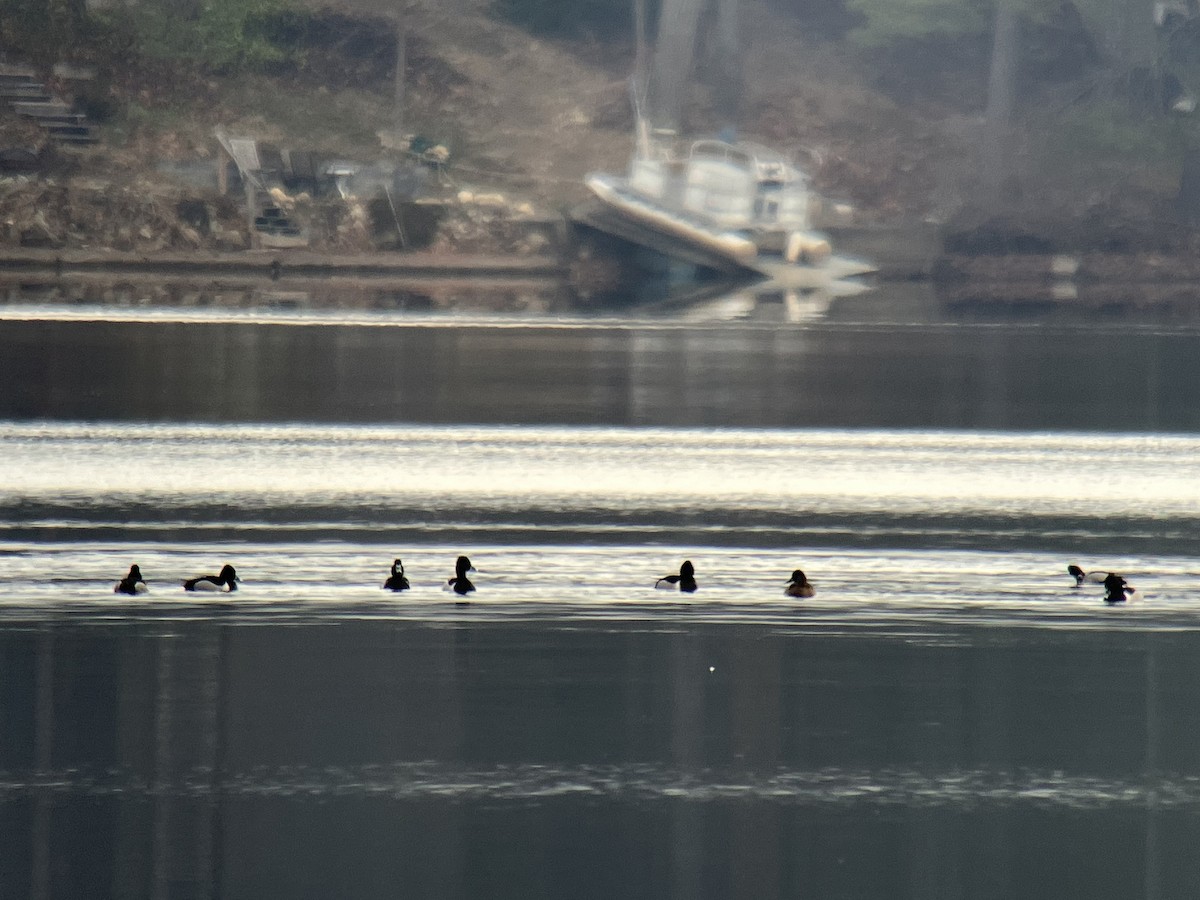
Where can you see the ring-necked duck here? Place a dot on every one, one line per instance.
(1081, 576)
(226, 581)
(133, 583)
(396, 581)
(798, 586)
(460, 583)
(684, 581)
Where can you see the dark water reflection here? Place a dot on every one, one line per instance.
(1112, 378)
(183, 759)
(974, 754)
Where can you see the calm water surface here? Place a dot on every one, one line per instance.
(949, 717)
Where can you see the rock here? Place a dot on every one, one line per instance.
(490, 200)
(190, 236)
(229, 240)
(533, 244)
(281, 198)
(38, 233)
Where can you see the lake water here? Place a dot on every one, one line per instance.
(949, 717)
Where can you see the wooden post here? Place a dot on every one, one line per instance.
(251, 210)
(997, 142)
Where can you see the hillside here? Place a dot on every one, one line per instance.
(527, 118)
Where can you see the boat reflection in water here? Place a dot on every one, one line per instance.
(770, 301)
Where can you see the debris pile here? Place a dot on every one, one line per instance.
(488, 224)
(335, 225)
(96, 213)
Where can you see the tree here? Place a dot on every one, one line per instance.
(604, 18)
(41, 30)
(1001, 93)
(674, 52)
(1123, 28)
(891, 21)
(726, 74)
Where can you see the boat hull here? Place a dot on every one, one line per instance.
(636, 218)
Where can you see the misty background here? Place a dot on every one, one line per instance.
(1068, 123)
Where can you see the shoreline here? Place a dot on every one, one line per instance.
(293, 265)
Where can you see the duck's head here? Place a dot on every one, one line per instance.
(398, 567)
(687, 570)
(798, 577)
(229, 574)
(463, 566)
(135, 573)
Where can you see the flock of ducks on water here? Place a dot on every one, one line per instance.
(1116, 588)
(133, 583)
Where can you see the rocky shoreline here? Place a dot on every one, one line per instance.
(287, 265)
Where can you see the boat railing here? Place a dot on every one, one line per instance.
(722, 150)
(768, 165)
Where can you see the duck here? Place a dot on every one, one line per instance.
(1081, 576)
(460, 583)
(684, 581)
(396, 581)
(227, 581)
(798, 586)
(133, 583)
(1118, 590)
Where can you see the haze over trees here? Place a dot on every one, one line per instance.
(1029, 84)
(1024, 44)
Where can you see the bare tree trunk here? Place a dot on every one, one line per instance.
(727, 72)
(76, 15)
(674, 51)
(401, 64)
(1132, 41)
(997, 146)
(1136, 56)
(641, 52)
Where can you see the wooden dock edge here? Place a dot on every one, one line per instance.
(292, 265)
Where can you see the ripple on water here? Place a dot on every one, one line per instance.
(640, 783)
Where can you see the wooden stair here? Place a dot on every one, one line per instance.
(28, 96)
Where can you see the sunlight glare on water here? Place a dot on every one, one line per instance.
(581, 521)
(850, 471)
